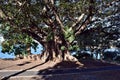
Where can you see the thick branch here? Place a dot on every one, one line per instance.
(19, 3)
(59, 21)
(34, 28)
(50, 5)
(2, 15)
(35, 36)
(82, 26)
(87, 20)
(78, 20)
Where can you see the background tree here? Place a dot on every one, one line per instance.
(104, 30)
(53, 23)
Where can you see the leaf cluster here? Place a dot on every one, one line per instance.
(69, 34)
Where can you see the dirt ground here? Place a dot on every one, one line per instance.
(106, 75)
(38, 65)
(23, 64)
(26, 64)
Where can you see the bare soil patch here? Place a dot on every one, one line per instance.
(23, 64)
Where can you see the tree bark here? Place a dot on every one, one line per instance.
(52, 51)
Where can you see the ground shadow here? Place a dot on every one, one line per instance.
(67, 64)
(22, 64)
(71, 71)
(91, 63)
(59, 71)
(60, 68)
(102, 75)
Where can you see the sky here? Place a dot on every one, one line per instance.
(5, 55)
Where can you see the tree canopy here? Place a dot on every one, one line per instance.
(104, 31)
(53, 23)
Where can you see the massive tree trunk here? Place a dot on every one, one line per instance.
(52, 51)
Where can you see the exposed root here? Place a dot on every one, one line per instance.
(67, 58)
(44, 57)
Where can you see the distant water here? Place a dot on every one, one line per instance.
(6, 55)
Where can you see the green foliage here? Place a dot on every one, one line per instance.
(29, 17)
(62, 48)
(7, 47)
(50, 36)
(74, 47)
(5, 28)
(102, 33)
(69, 34)
(18, 44)
(20, 49)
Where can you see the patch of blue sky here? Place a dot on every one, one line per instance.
(6, 55)
(38, 50)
